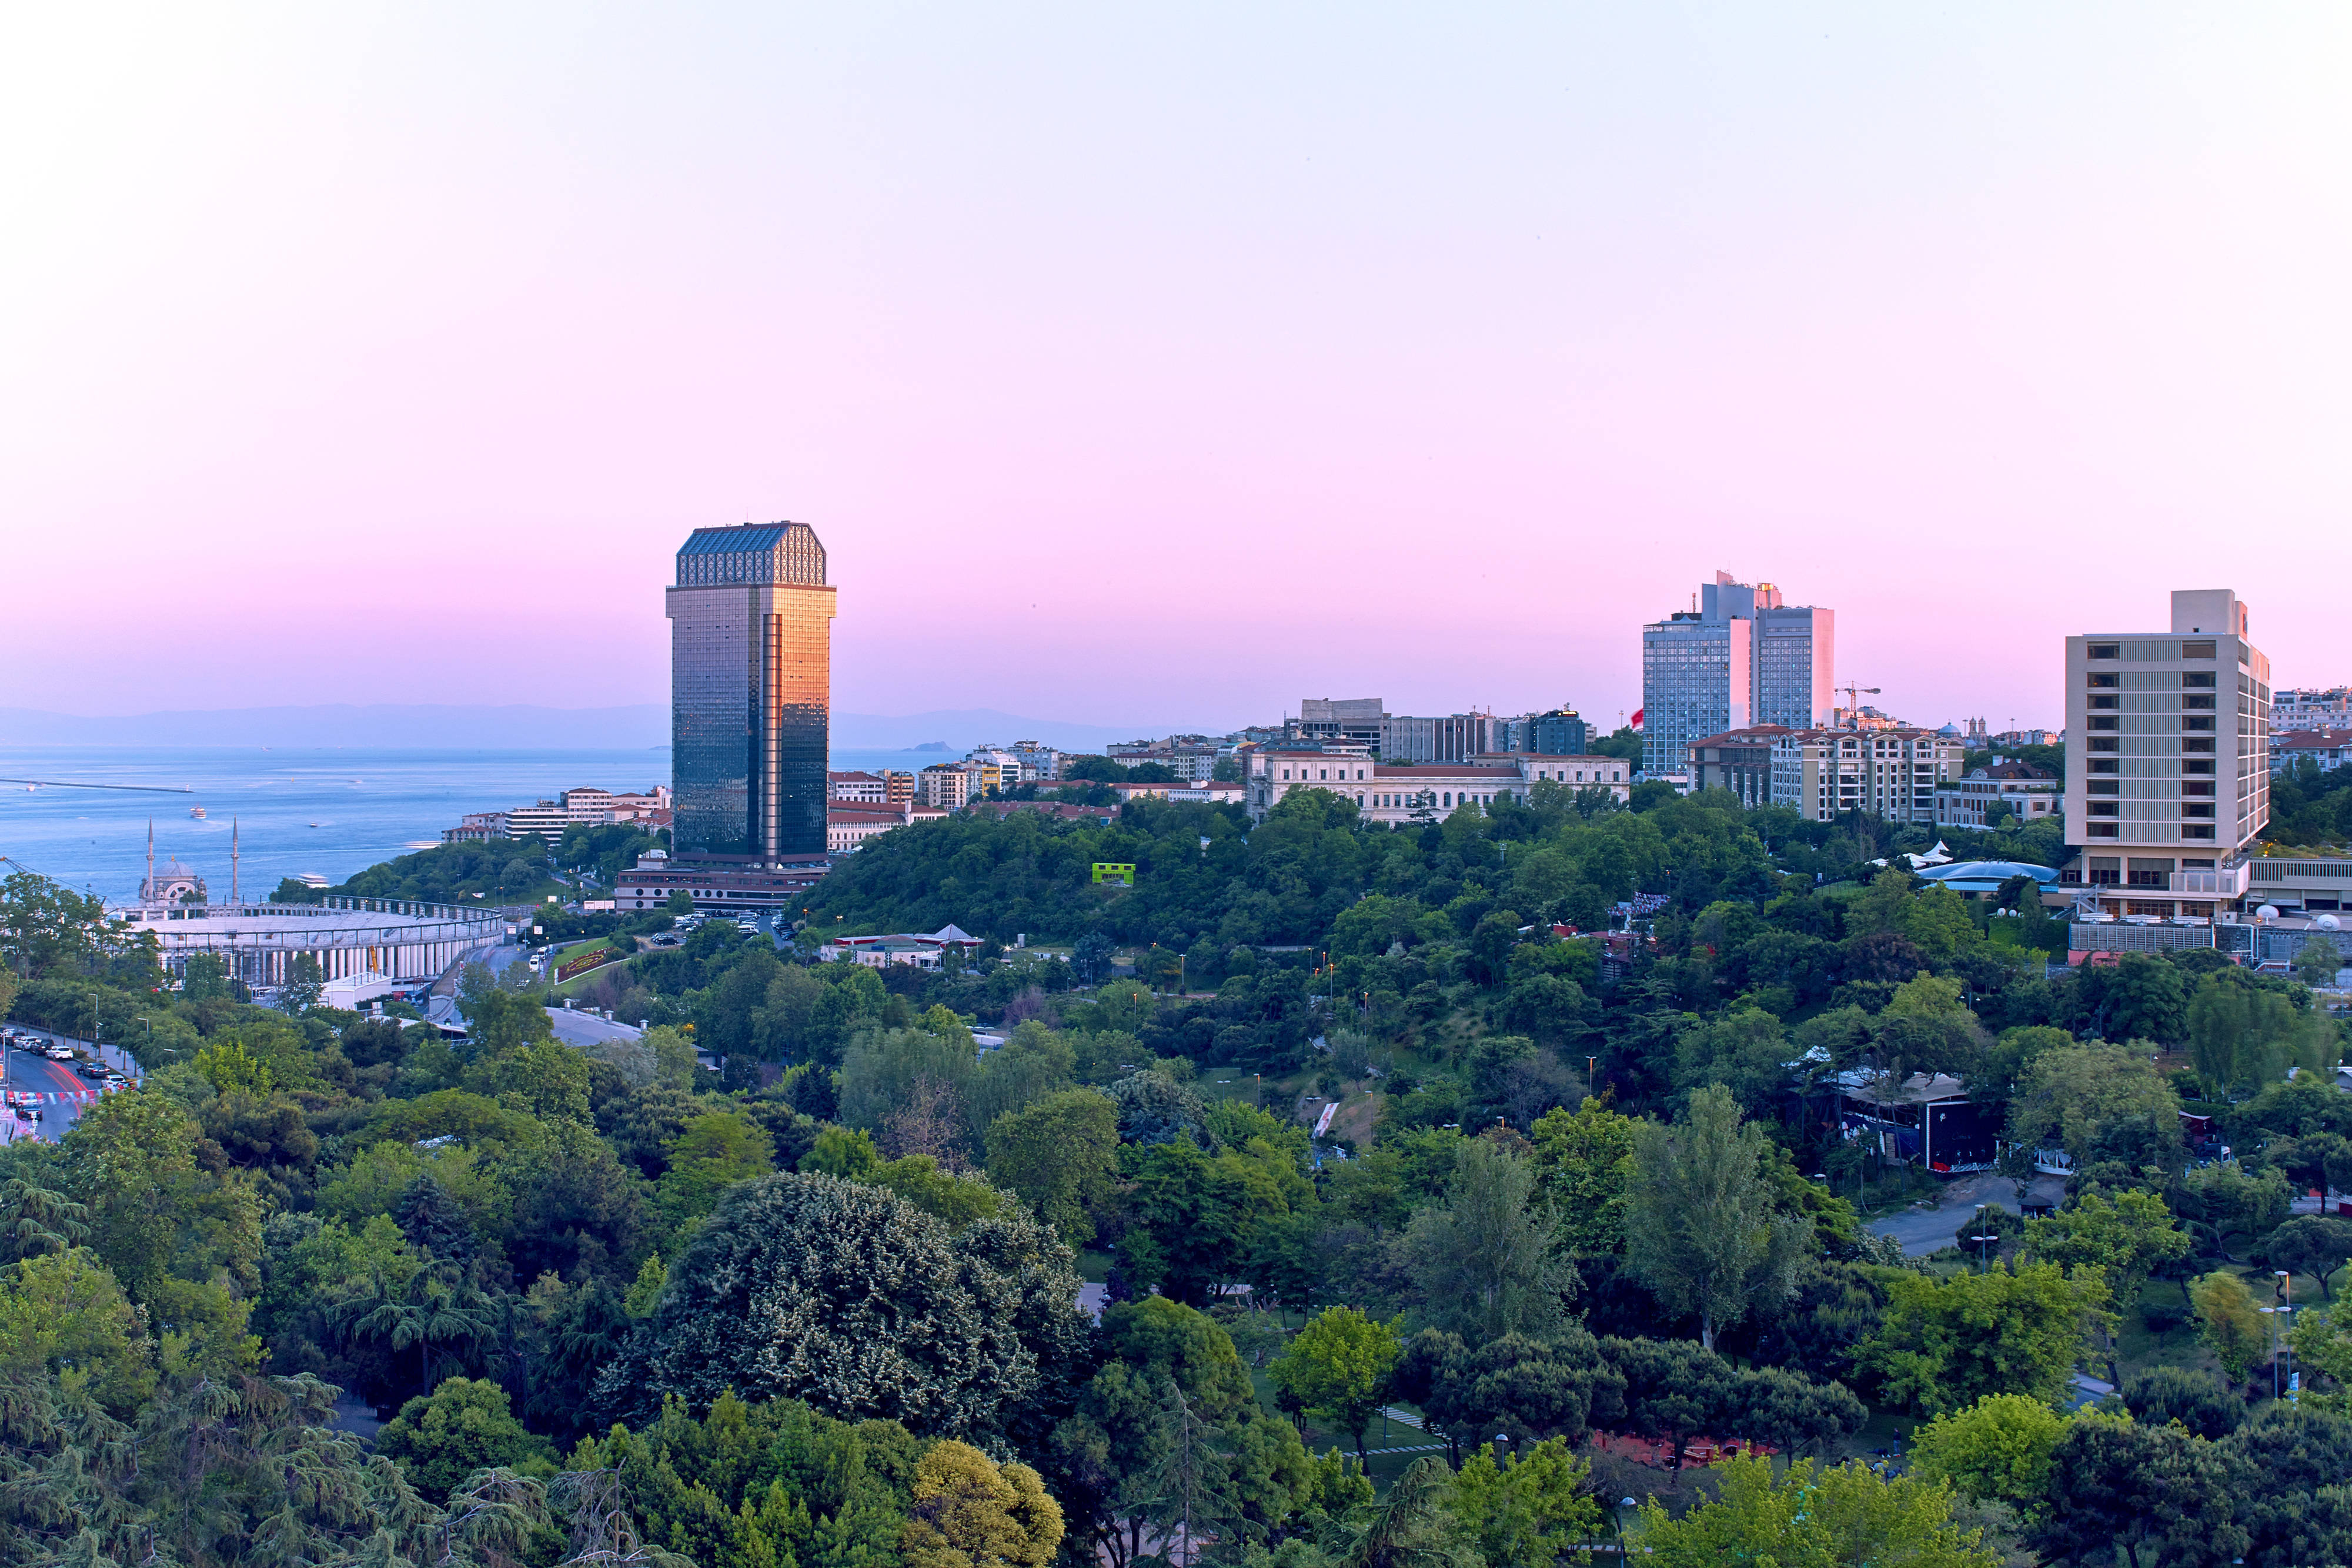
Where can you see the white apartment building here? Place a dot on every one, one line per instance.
(948, 786)
(857, 788)
(2311, 707)
(2168, 777)
(2029, 793)
(1889, 773)
(1397, 794)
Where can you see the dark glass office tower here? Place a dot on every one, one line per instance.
(750, 671)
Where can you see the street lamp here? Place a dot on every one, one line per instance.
(1625, 1505)
(1984, 1242)
(2287, 1306)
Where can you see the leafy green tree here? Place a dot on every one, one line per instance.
(2312, 1244)
(230, 1468)
(304, 982)
(1747, 1052)
(939, 1192)
(1205, 1215)
(1701, 1228)
(842, 1152)
(184, 1241)
(61, 1310)
(710, 1153)
(2228, 1323)
(2316, 962)
(1414, 1526)
(2097, 1101)
(464, 1427)
(1530, 1388)
(2243, 1037)
(1339, 1365)
(2145, 997)
(2128, 1238)
(428, 1311)
(2148, 1489)
(1583, 1160)
(848, 1296)
(1524, 1512)
(45, 927)
(1814, 1517)
(1060, 1155)
(1944, 1346)
(970, 1513)
(35, 1219)
(772, 1482)
(2195, 1399)
(1995, 1451)
(2285, 1468)
(1485, 1262)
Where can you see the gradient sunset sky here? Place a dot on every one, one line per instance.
(1161, 365)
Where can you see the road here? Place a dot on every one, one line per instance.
(54, 1080)
(1923, 1230)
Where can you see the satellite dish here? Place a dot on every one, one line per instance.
(2328, 922)
(2267, 912)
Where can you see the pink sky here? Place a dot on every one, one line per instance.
(1163, 366)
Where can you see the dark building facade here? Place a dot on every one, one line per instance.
(750, 691)
(1559, 733)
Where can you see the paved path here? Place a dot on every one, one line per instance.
(1923, 1230)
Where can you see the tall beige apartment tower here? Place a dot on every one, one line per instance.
(2167, 759)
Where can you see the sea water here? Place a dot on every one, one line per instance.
(327, 811)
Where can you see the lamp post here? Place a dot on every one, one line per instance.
(2287, 1308)
(1984, 1239)
(1625, 1505)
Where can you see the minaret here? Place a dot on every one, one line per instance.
(234, 896)
(147, 888)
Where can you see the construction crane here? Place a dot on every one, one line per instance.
(1853, 704)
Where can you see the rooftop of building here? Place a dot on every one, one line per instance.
(1747, 737)
(2311, 739)
(1919, 1089)
(1987, 871)
(2012, 770)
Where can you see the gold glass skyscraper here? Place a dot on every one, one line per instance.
(750, 688)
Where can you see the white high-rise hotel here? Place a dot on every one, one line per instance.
(2168, 757)
(1742, 657)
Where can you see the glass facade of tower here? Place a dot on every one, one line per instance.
(750, 680)
(1737, 657)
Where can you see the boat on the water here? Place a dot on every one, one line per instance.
(197, 812)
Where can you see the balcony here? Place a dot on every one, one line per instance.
(2228, 882)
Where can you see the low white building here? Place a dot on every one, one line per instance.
(847, 827)
(2331, 749)
(1398, 794)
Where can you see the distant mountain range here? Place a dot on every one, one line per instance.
(517, 727)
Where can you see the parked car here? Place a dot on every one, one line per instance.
(57, 1052)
